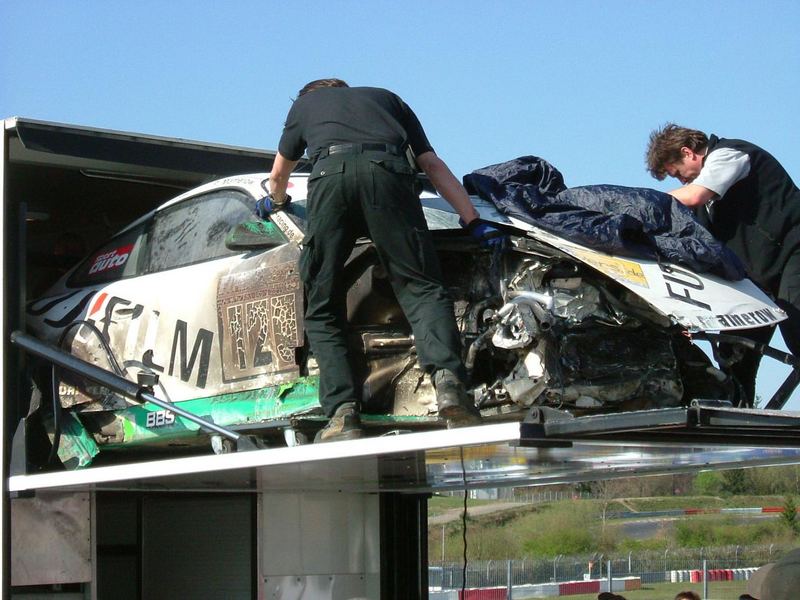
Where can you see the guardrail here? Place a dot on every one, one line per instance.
(722, 564)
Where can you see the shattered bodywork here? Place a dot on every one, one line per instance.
(207, 297)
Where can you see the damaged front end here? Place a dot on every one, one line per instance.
(539, 328)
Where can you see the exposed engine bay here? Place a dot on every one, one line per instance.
(538, 328)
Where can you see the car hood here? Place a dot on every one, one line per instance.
(696, 301)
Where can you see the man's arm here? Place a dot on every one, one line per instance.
(447, 185)
(692, 195)
(722, 168)
(279, 177)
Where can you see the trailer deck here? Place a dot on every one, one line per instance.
(556, 449)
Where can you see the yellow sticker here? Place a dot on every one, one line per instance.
(618, 268)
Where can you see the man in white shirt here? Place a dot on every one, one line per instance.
(743, 195)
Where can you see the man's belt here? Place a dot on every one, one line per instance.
(358, 148)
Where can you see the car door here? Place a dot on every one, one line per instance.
(162, 314)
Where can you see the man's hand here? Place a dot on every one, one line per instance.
(447, 185)
(278, 182)
(267, 205)
(487, 236)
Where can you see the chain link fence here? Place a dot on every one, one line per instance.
(523, 495)
(651, 567)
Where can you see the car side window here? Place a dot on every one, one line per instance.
(116, 259)
(195, 230)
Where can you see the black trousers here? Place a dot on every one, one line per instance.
(371, 194)
(786, 296)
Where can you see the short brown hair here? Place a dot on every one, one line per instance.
(665, 146)
(688, 595)
(321, 83)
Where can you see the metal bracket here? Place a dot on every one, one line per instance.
(119, 384)
(781, 396)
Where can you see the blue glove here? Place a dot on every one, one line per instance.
(487, 236)
(267, 205)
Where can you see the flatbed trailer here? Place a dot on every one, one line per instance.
(349, 519)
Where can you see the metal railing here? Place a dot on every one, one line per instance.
(650, 566)
(523, 495)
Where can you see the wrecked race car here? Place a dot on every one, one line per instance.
(202, 300)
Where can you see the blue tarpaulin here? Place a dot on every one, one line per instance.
(624, 221)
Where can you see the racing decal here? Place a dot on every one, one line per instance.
(190, 366)
(287, 226)
(237, 180)
(201, 349)
(108, 313)
(35, 311)
(284, 324)
(149, 362)
(72, 314)
(679, 284)
(110, 261)
(68, 394)
(130, 329)
(755, 318)
(615, 267)
(159, 418)
(98, 303)
(259, 321)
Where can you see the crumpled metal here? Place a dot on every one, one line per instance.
(517, 327)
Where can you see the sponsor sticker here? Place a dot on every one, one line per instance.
(260, 316)
(742, 320)
(159, 418)
(109, 261)
(618, 268)
(287, 226)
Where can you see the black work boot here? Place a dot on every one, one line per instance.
(454, 405)
(345, 424)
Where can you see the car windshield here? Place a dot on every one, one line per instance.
(195, 230)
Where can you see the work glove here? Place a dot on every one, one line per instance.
(487, 236)
(267, 205)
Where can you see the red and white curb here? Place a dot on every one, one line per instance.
(696, 575)
(541, 590)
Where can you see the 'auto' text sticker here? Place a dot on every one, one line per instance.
(108, 261)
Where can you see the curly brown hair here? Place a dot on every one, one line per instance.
(321, 83)
(665, 146)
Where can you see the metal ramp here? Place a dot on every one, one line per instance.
(553, 448)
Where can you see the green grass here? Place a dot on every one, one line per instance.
(573, 527)
(678, 502)
(717, 590)
(675, 503)
(726, 530)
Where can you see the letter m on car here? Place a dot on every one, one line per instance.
(201, 349)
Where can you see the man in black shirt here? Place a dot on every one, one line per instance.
(743, 195)
(362, 184)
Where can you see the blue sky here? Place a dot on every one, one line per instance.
(579, 83)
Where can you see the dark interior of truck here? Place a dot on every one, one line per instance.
(70, 188)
